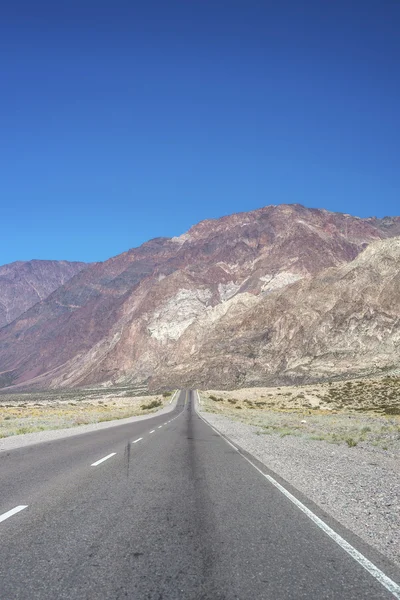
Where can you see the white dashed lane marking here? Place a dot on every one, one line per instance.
(98, 462)
(12, 512)
(136, 441)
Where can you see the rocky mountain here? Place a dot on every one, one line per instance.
(344, 322)
(250, 298)
(24, 283)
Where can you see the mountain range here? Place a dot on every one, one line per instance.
(278, 295)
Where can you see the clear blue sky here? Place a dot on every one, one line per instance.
(122, 121)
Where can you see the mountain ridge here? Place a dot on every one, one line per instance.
(24, 283)
(132, 317)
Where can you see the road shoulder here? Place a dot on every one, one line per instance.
(355, 488)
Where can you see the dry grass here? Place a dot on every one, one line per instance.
(39, 411)
(360, 412)
(380, 395)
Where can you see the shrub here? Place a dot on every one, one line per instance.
(153, 404)
(365, 429)
(351, 442)
(392, 410)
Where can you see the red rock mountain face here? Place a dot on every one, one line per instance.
(208, 307)
(23, 284)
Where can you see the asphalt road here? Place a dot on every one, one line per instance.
(178, 514)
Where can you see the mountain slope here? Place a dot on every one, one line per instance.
(344, 321)
(23, 284)
(134, 316)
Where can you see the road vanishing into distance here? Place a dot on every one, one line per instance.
(165, 508)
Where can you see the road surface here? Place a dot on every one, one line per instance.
(162, 509)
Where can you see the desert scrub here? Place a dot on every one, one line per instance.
(153, 404)
(351, 442)
(319, 437)
(366, 429)
(215, 399)
(287, 432)
(24, 416)
(281, 431)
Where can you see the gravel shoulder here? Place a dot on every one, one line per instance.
(27, 439)
(359, 486)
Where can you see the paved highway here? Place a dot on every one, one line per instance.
(165, 509)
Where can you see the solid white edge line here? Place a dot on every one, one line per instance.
(103, 459)
(12, 512)
(372, 569)
(136, 441)
(173, 396)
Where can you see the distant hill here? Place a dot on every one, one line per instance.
(283, 293)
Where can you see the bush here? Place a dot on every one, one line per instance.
(392, 410)
(365, 430)
(351, 442)
(153, 404)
